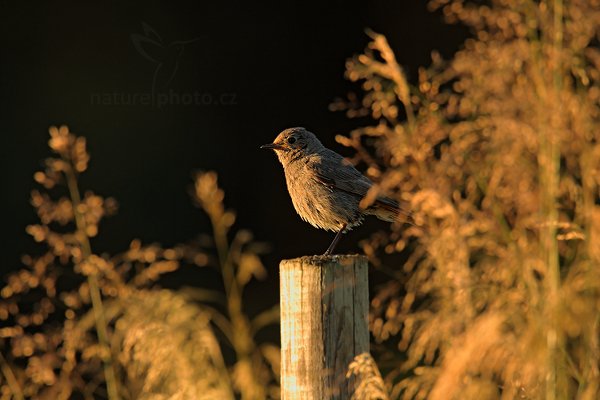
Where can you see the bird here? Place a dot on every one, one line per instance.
(325, 188)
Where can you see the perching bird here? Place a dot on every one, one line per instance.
(325, 188)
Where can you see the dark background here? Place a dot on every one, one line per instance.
(278, 65)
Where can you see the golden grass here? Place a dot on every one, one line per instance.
(497, 154)
(98, 326)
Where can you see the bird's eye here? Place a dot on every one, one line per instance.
(291, 140)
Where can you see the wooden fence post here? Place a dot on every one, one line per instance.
(324, 324)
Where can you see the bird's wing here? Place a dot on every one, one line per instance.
(335, 172)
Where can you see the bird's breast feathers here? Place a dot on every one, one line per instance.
(318, 202)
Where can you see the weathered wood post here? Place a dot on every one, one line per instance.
(324, 324)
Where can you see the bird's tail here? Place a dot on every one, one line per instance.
(389, 210)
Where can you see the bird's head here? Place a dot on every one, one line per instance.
(294, 143)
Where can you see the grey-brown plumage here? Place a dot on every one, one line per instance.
(325, 188)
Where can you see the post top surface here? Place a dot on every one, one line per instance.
(320, 260)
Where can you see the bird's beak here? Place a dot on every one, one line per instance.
(273, 146)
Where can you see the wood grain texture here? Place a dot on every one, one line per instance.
(324, 324)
